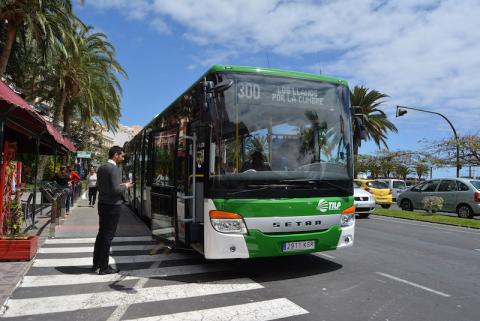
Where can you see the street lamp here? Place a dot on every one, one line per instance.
(401, 110)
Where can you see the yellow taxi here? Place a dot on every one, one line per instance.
(379, 190)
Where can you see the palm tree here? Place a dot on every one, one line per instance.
(84, 81)
(87, 80)
(421, 169)
(402, 171)
(45, 20)
(375, 120)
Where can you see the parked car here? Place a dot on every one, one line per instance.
(379, 190)
(460, 195)
(364, 201)
(396, 185)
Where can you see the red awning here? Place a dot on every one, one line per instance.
(60, 138)
(12, 98)
(28, 119)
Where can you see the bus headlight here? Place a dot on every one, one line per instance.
(347, 220)
(227, 222)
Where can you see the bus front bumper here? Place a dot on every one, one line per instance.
(261, 245)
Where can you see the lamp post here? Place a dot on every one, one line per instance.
(401, 110)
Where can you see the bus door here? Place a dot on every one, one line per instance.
(190, 194)
(163, 186)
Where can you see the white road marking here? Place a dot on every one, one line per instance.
(325, 255)
(65, 303)
(74, 279)
(119, 312)
(257, 311)
(92, 240)
(82, 261)
(477, 250)
(430, 225)
(89, 249)
(413, 284)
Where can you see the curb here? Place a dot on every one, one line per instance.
(440, 223)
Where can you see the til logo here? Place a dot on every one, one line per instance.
(323, 206)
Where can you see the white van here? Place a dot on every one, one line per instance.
(396, 185)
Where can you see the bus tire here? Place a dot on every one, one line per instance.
(464, 211)
(385, 205)
(406, 205)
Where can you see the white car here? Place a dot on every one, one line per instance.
(396, 185)
(364, 202)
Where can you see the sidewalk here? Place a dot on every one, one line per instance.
(82, 222)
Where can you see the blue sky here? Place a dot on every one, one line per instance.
(421, 53)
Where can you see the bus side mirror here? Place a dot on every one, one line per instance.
(207, 90)
(222, 86)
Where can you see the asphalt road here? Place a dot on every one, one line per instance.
(397, 270)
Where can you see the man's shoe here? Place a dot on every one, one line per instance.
(108, 270)
(95, 268)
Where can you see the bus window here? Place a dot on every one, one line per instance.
(280, 131)
(163, 157)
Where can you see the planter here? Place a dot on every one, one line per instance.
(18, 249)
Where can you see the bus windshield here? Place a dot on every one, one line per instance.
(281, 137)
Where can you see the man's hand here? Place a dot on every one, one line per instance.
(128, 185)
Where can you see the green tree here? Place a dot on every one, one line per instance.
(387, 166)
(44, 20)
(422, 169)
(376, 122)
(373, 166)
(87, 80)
(361, 164)
(402, 171)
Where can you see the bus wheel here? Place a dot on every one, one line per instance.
(385, 205)
(464, 211)
(406, 205)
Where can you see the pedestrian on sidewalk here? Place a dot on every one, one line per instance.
(63, 179)
(74, 179)
(110, 207)
(92, 186)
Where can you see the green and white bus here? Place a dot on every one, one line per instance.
(248, 162)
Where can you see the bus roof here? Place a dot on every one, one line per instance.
(256, 70)
(276, 72)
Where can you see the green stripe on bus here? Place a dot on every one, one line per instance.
(260, 244)
(284, 207)
(277, 72)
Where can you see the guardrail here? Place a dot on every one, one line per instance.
(56, 195)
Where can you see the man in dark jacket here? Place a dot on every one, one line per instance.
(110, 206)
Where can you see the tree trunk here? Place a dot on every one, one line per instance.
(66, 119)
(59, 106)
(11, 33)
(43, 160)
(42, 163)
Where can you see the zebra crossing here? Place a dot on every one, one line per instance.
(152, 285)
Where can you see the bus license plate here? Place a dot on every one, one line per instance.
(298, 246)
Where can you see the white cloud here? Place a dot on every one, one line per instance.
(133, 9)
(424, 54)
(160, 26)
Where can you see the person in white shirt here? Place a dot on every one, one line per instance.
(92, 187)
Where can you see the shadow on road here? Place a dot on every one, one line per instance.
(258, 269)
(283, 268)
